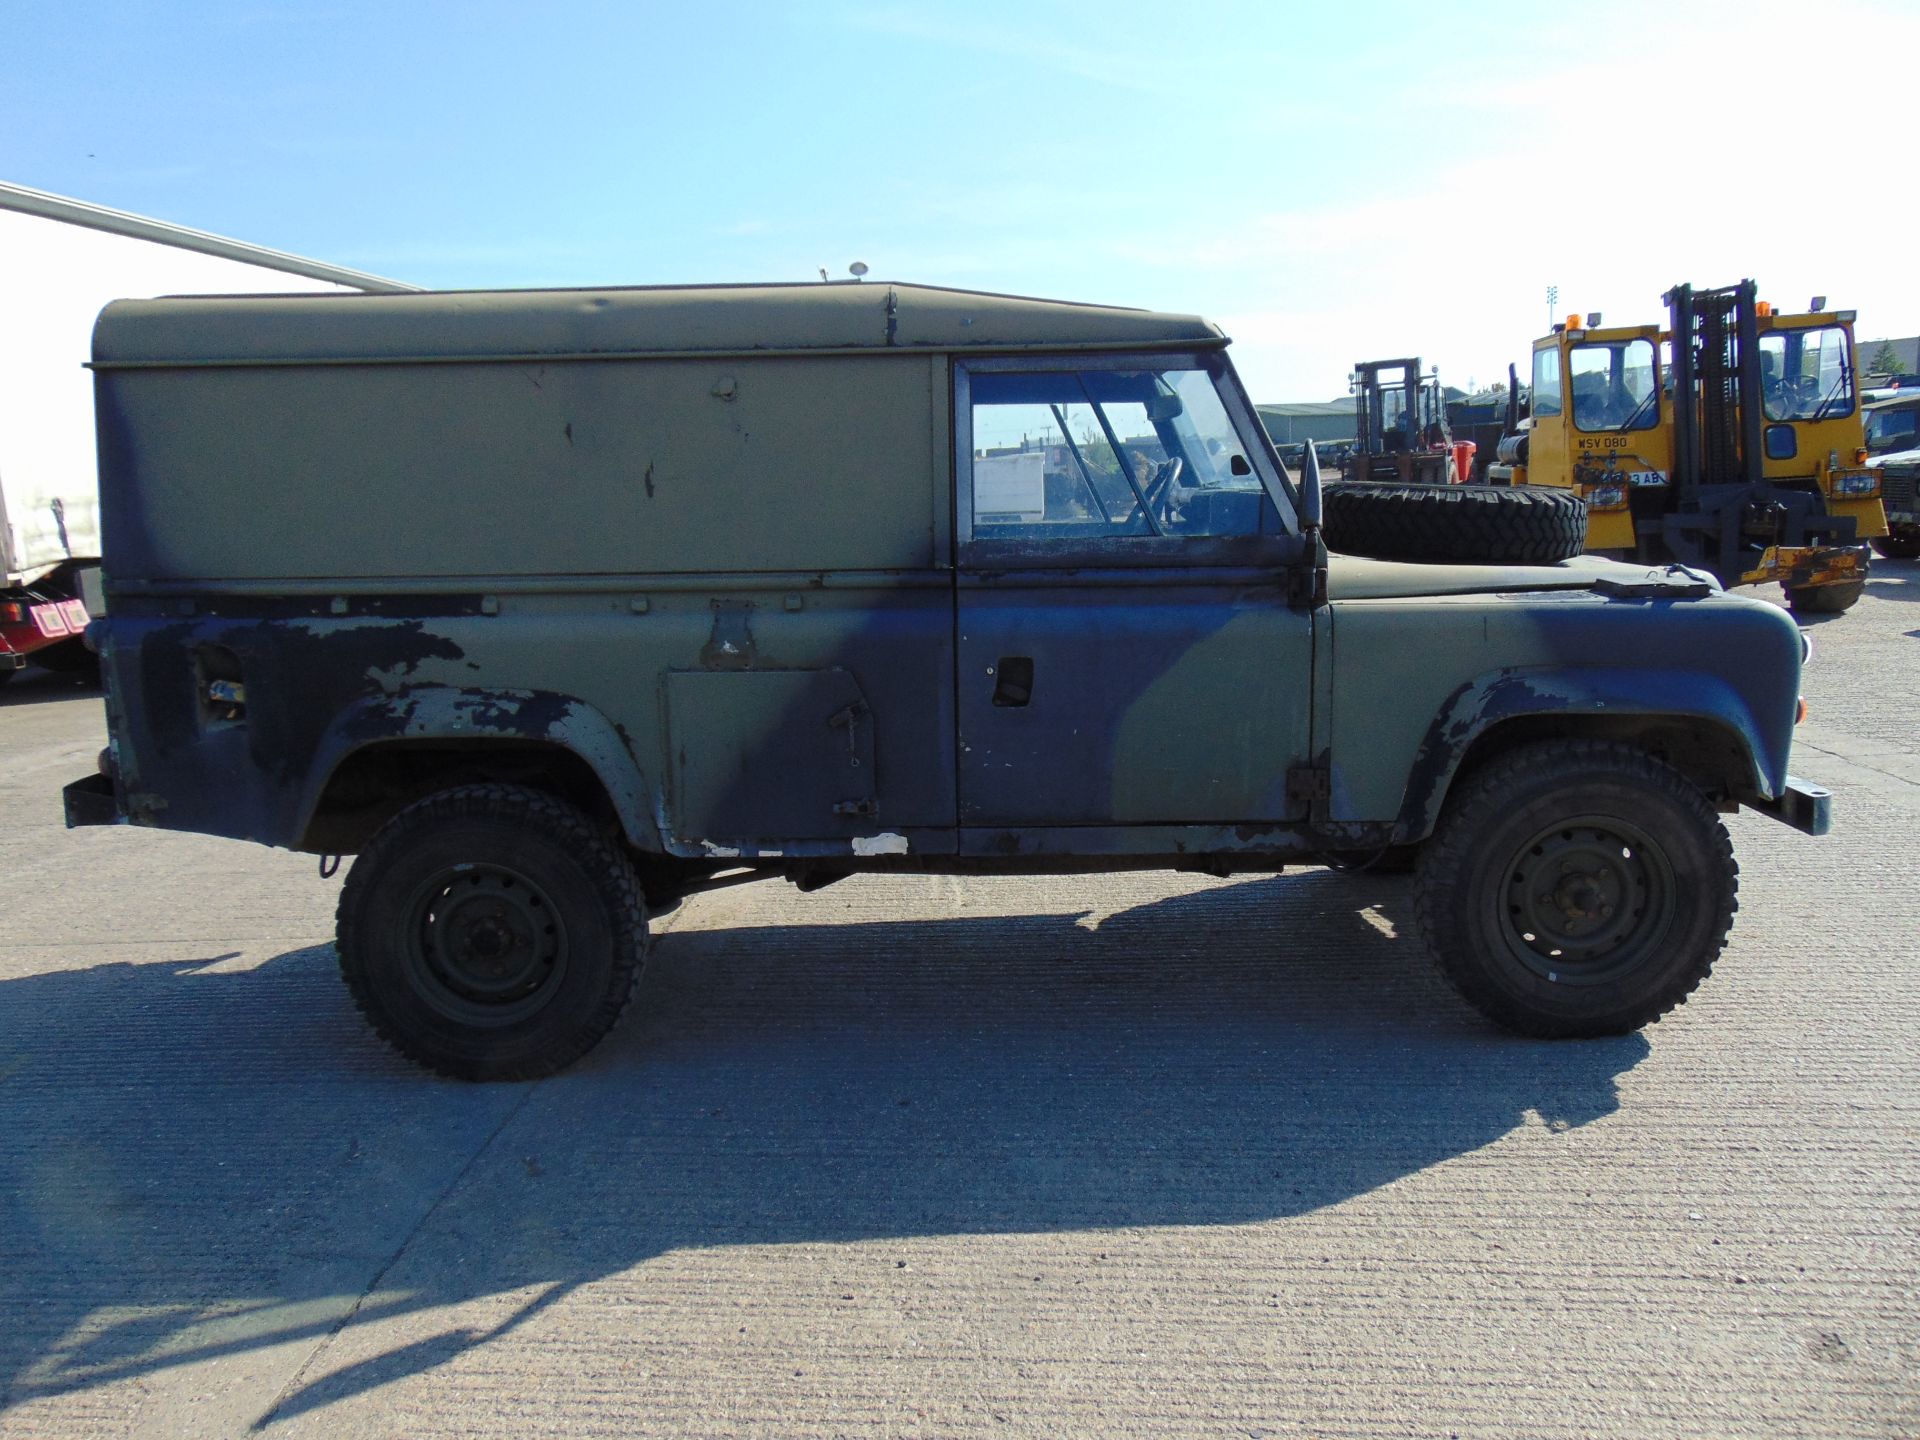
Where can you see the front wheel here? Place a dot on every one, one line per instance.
(1897, 547)
(491, 932)
(1576, 888)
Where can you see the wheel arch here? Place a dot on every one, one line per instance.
(387, 751)
(1697, 723)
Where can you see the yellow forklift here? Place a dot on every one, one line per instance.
(1753, 493)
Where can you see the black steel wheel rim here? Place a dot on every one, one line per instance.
(1586, 901)
(485, 945)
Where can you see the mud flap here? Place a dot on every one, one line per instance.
(90, 802)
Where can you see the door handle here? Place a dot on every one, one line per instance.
(1013, 681)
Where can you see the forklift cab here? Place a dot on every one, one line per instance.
(1601, 424)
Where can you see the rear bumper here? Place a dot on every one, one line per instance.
(90, 802)
(1805, 806)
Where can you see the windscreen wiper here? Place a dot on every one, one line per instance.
(1628, 423)
(1832, 395)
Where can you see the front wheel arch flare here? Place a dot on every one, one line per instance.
(1699, 722)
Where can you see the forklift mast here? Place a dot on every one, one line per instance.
(1716, 358)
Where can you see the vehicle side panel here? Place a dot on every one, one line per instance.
(1439, 672)
(319, 687)
(1185, 701)
(603, 467)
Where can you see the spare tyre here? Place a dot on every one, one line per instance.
(1465, 524)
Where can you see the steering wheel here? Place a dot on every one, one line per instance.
(1798, 395)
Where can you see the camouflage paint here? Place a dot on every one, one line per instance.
(703, 543)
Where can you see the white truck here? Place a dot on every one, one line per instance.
(63, 261)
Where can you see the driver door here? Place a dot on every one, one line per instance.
(1126, 654)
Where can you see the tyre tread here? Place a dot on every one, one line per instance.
(1471, 524)
(1825, 599)
(531, 808)
(1446, 858)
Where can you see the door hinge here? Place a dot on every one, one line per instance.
(1307, 580)
(1309, 787)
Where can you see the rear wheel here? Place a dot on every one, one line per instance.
(491, 932)
(1576, 888)
(1825, 599)
(1898, 547)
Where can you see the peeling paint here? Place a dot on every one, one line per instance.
(884, 844)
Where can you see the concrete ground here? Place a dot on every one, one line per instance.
(1143, 1155)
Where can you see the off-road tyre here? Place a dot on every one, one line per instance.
(1533, 846)
(1897, 547)
(491, 932)
(1465, 524)
(1825, 599)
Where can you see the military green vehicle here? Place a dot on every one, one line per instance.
(553, 608)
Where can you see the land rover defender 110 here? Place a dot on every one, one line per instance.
(553, 608)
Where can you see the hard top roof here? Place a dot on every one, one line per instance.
(650, 320)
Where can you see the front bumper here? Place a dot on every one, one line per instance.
(1805, 806)
(91, 802)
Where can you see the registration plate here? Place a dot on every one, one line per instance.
(1637, 478)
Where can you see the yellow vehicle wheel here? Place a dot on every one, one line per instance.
(1825, 599)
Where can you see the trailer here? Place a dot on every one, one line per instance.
(65, 259)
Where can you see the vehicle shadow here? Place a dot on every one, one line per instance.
(35, 686)
(1894, 579)
(210, 1160)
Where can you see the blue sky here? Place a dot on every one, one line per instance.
(1331, 184)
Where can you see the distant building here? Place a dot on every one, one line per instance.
(1316, 420)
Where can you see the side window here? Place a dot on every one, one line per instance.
(1546, 381)
(1063, 455)
(1892, 430)
(1805, 374)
